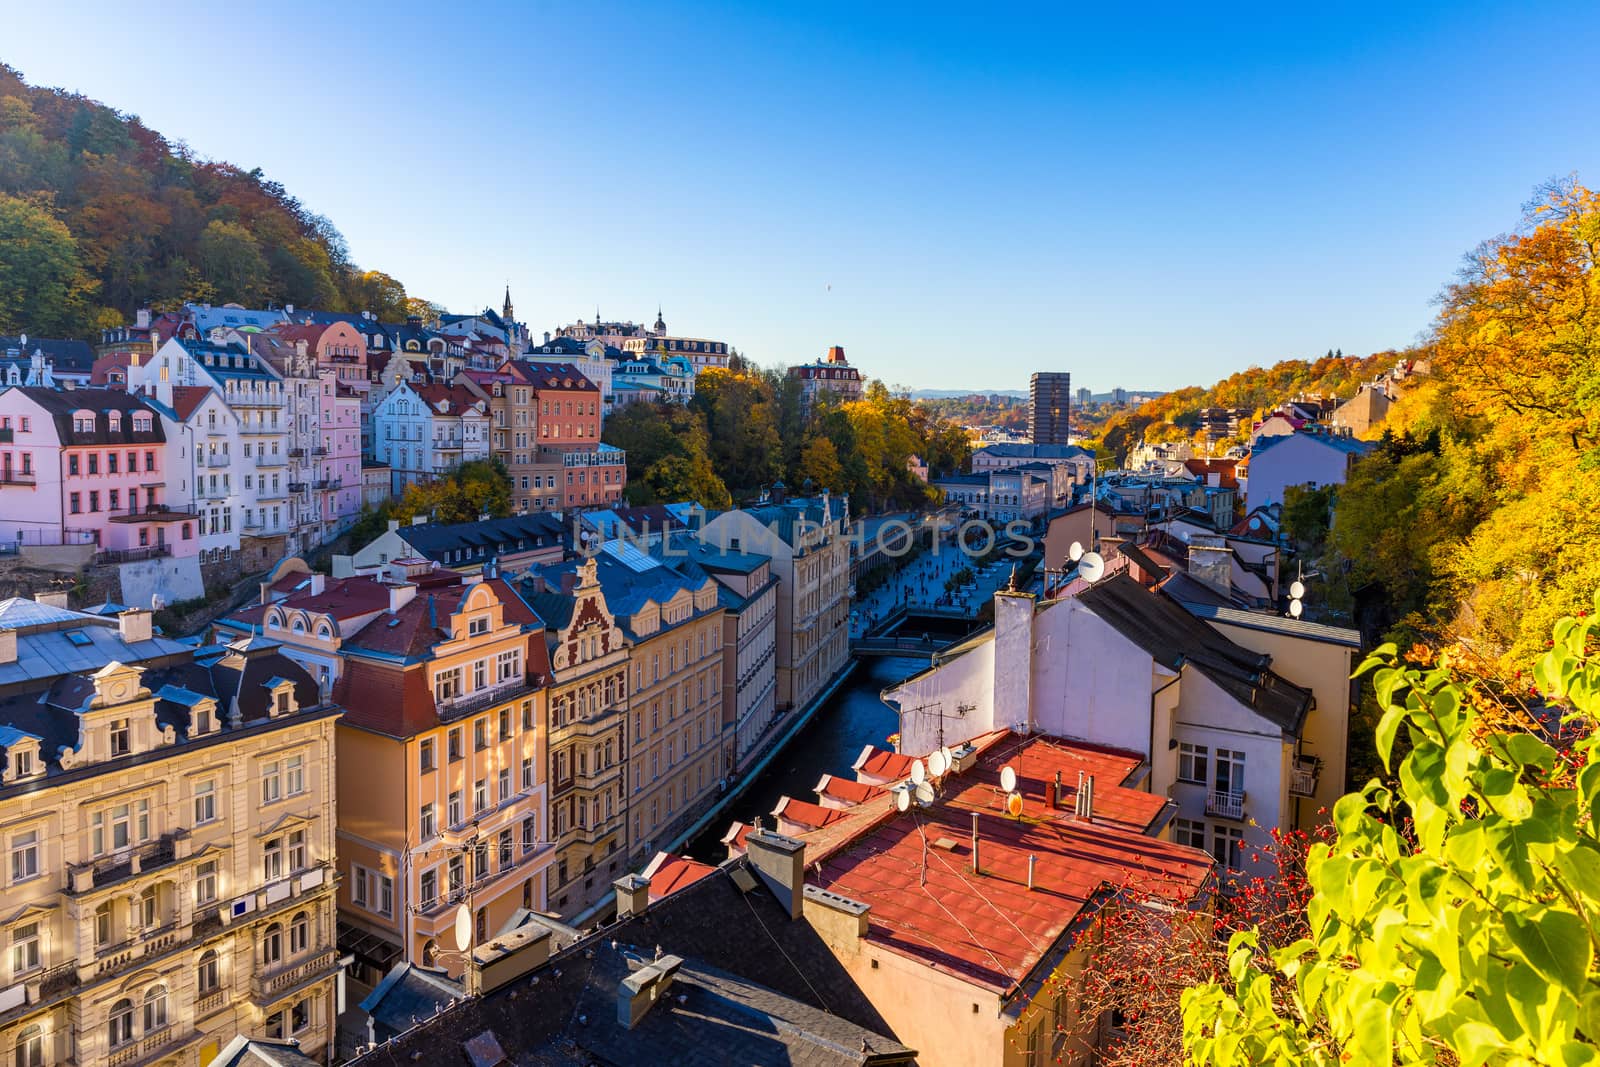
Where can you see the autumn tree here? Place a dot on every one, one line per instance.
(42, 283)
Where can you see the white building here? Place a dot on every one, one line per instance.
(1304, 458)
(426, 431)
(1237, 747)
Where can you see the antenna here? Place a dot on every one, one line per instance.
(1091, 568)
(1008, 779)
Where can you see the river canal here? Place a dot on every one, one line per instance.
(852, 718)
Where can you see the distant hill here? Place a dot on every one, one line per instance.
(100, 215)
(1017, 394)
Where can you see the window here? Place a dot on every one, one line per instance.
(358, 885)
(457, 874)
(120, 737)
(455, 745)
(30, 1047)
(205, 801)
(102, 924)
(530, 834)
(505, 846)
(24, 855)
(480, 735)
(115, 828)
(1189, 832)
(25, 950)
(155, 1009)
(429, 888)
(272, 945)
(505, 724)
(271, 783)
(426, 824)
(207, 975)
(505, 784)
(477, 626)
(1230, 772)
(299, 933)
(1227, 845)
(1191, 763)
(508, 665)
(294, 775)
(272, 859)
(119, 1028)
(527, 773)
(205, 882)
(297, 850)
(447, 684)
(480, 794)
(149, 907)
(453, 812)
(425, 754)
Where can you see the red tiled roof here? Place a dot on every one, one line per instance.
(344, 598)
(801, 813)
(989, 929)
(310, 333)
(669, 873)
(879, 763)
(846, 791)
(459, 397)
(185, 398)
(736, 835)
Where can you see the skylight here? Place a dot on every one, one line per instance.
(78, 637)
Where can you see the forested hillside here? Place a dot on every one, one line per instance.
(100, 215)
(1478, 520)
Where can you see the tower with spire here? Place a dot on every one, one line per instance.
(661, 324)
(505, 312)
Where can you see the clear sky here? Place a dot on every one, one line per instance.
(1144, 195)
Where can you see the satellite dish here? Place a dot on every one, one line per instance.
(1014, 804)
(902, 800)
(1075, 553)
(463, 927)
(1294, 608)
(936, 765)
(925, 794)
(919, 773)
(1297, 589)
(949, 758)
(1091, 568)
(1008, 779)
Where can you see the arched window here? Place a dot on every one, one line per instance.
(119, 1029)
(274, 622)
(324, 631)
(30, 1047)
(299, 626)
(155, 1008)
(299, 933)
(272, 944)
(430, 953)
(208, 974)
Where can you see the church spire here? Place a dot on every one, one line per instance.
(661, 324)
(505, 312)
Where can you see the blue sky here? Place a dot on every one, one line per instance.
(959, 199)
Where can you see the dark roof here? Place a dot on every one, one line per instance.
(760, 988)
(479, 541)
(408, 993)
(542, 375)
(61, 404)
(1158, 624)
(72, 356)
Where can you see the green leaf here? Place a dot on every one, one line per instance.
(1372, 1041)
(1555, 943)
(1386, 730)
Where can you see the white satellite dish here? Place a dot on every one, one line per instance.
(1075, 553)
(1294, 608)
(463, 927)
(902, 799)
(936, 765)
(1297, 589)
(919, 773)
(1091, 568)
(949, 757)
(925, 794)
(1008, 779)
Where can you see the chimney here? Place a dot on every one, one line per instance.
(288, 309)
(1084, 807)
(134, 625)
(781, 863)
(8, 646)
(633, 895)
(141, 319)
(400, 595)
(1211, 562)
(394, 524)
(976, 869)
(53, 598)
(1055, 797)
(638, 993)
(506, 958)
(319, 582)
(1032, 859)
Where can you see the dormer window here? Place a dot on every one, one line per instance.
(479, 625)
(141, 422)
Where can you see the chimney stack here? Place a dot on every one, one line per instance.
(400, 595)
(1032, 859)
(135, 625)
(8, 646)
(1084, 808)
(1211, 562)
(781, 863)
(53, 598)
(319, 582)
(633, 894)
(638, 993)
(976, 867)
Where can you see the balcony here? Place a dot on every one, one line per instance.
(271, 461)
(456, 707)
(319, 451)
(269, 985)
(214, 459)
(213, 492)
(298, 487)
(1226, 805)
(129, 555)
(1303, 776)
(297, 453)
(11, 477)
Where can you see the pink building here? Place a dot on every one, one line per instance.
(88, 466)
(339, 465)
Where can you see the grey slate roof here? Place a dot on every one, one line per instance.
(1160, 625)
(1256, 620)
(407, 994)
(480, 541)
(261, 1052)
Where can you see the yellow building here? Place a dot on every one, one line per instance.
(167, 820)
(444, 696)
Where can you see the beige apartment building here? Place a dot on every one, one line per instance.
(167, 821)
(810, 556)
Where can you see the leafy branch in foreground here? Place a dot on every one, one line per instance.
(1455, 919)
